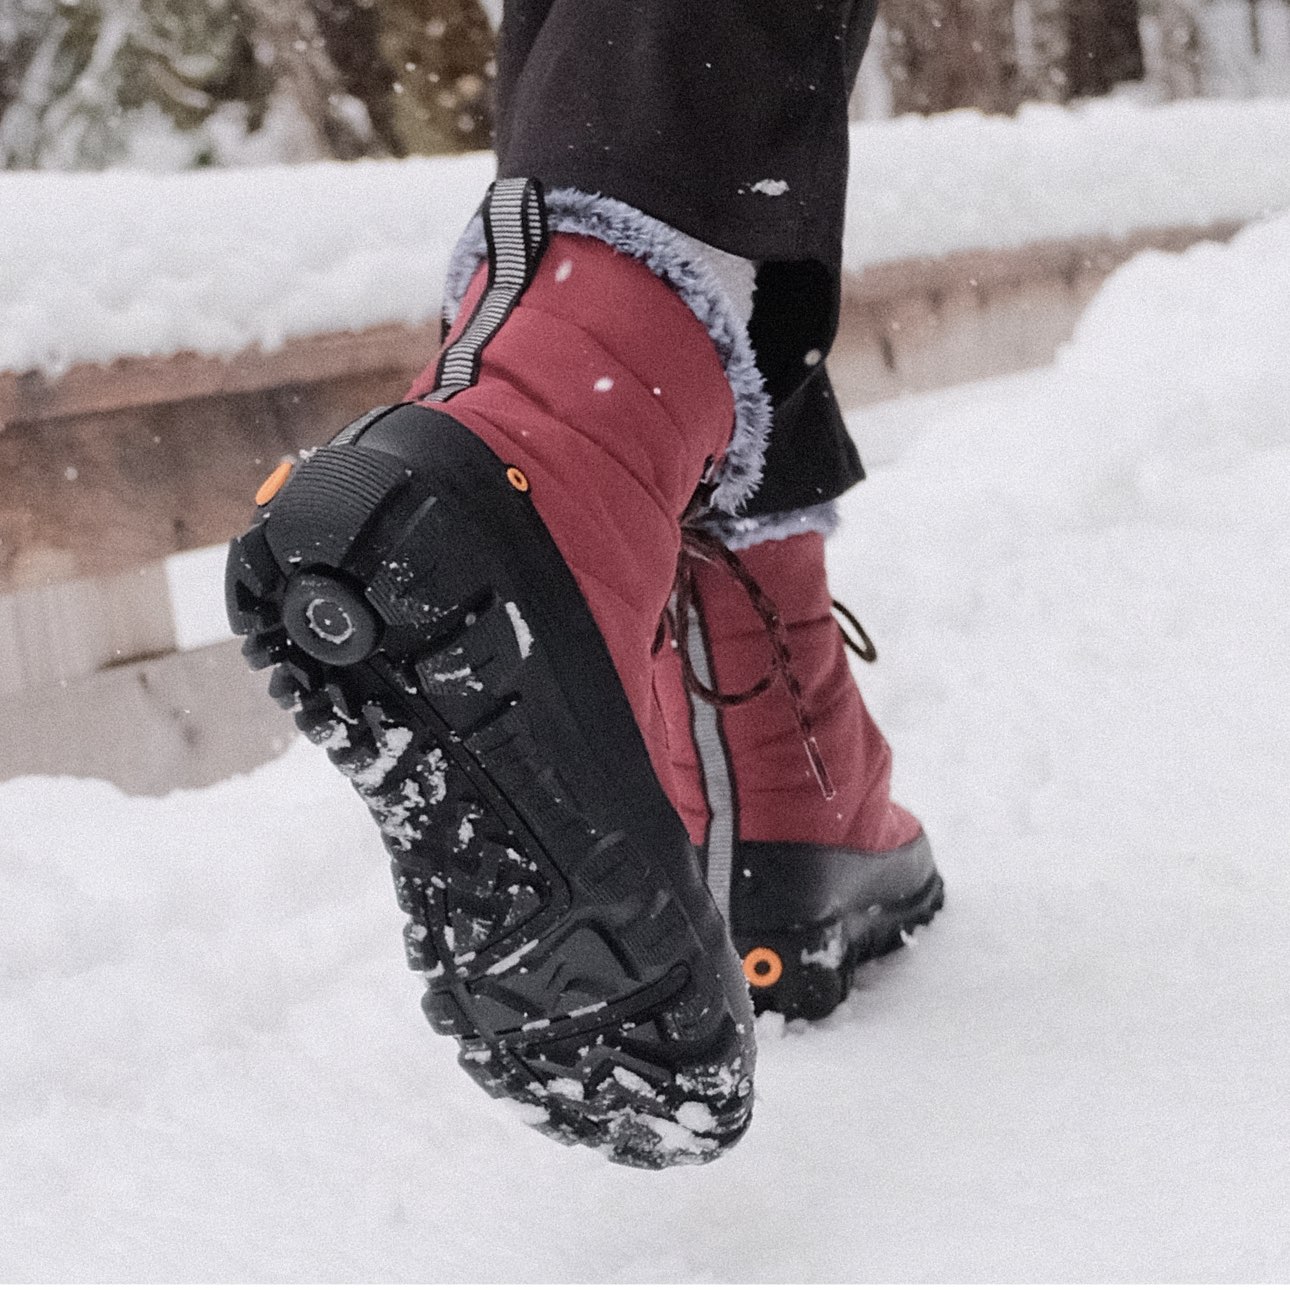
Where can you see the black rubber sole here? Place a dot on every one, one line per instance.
(424, 629)
(806, 972)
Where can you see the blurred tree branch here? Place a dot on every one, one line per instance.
(80, 78)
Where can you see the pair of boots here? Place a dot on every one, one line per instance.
(490, 604)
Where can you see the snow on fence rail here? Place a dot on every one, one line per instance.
(96, 267)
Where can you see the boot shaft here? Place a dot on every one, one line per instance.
(606, 392)
(774, 793)
(602, 360)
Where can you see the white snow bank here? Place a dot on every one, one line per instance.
(195, 583)
(214, 1064)
(100, 266)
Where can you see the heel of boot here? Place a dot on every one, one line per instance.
(426, 633)
(806, 972)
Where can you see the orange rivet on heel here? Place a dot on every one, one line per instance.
(519, 480)
(763, 967)
(269, 489)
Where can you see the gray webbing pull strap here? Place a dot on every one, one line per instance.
(515, 227)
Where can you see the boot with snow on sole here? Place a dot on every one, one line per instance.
(813, 865)
(449, 595)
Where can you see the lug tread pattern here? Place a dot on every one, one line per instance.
(555, 956)
(324, 507)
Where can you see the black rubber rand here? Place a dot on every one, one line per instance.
(422, 625)
(804, 917)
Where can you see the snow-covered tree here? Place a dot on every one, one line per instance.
(289, 45)
(78, 73)
(82, 80)
(1181, 47)
(1044, 45)
(440, 52)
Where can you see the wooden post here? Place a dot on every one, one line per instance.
(944, 54)
(1105, 47)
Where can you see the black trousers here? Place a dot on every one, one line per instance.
(726, 119)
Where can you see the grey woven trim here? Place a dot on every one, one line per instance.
(469, 253)
(739, 534)
(714, 767)
(673, 258)
(518, 232)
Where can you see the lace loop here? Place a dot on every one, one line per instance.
(699, 546)
(864, 649)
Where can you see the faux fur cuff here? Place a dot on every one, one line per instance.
(739, 534)
(673, 258)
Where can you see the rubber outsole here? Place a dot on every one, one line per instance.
(813, 966)
(804, 916)
(422, 626)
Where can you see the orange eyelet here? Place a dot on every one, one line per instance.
(763, 967)
(519, 480)
(269, 489)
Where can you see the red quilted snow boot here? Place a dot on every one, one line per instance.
(460, 594)
(787, 790)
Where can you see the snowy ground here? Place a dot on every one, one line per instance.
(1078, 578)
(95, 267)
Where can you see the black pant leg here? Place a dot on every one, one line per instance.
(727, 120)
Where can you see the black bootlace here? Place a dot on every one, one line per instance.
(700, 547)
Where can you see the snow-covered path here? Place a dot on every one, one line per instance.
(1078, 580)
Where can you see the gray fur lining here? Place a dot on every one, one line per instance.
(673, 258)
(739, 534)
(469, 253)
